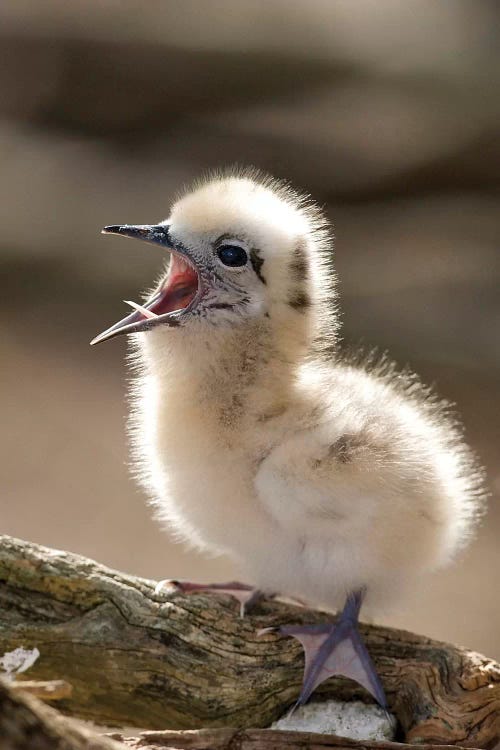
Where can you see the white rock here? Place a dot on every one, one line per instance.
(347, 719)
(19, 660)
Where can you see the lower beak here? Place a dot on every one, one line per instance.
(143, 318)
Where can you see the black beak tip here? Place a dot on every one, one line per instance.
(112, 229)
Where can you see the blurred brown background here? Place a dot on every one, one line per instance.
(387, 111)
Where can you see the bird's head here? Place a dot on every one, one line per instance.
(241, 246)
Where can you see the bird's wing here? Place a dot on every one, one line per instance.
(354, 510)
(313, 478)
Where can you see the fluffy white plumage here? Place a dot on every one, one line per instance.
(317, 474)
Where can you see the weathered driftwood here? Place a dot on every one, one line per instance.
(46, 690)
(258, 739)
(26, 724)
(178, 661)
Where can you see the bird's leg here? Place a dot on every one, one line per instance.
(336, 649)
(245, 594)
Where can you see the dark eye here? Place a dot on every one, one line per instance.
(232, 255)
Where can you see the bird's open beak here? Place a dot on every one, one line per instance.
(177, 294)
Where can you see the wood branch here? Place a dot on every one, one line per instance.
(258, 739)
(26, 724)
(170, 660)
(46, 690)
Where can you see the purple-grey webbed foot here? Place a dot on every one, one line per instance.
(336, 649)
(245, 594)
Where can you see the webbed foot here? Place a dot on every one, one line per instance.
(336, 649)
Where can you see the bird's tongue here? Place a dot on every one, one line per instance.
(179, 290)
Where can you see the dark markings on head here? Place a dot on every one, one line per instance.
(299, 300)
(220, 306)
(257, 262)
(298, 265)
(227, 305)
(172, 322)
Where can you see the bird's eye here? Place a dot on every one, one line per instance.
(232, 255)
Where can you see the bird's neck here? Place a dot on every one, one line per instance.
(230, 373)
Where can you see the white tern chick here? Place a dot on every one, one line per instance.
(326, 479)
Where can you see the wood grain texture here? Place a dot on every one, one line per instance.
(257, 739)
(175, 661)
(46, 690)
(27, 724)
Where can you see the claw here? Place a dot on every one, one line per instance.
(166, 586)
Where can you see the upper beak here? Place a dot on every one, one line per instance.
(157, 233)
(136, 321)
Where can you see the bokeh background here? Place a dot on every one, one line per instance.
(387, 111)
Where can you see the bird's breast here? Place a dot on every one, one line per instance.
(202, 471)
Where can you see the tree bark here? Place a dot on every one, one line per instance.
(141, 659)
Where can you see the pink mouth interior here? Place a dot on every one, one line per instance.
(179, 290)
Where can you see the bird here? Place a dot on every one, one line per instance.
(338, 479)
